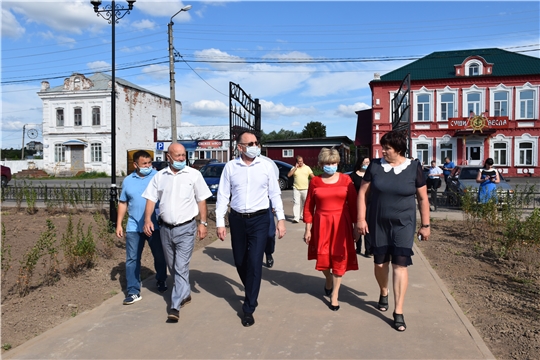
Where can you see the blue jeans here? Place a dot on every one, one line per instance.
(134, 248)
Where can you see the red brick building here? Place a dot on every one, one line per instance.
(468, 105)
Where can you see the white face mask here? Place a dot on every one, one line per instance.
(252, 151)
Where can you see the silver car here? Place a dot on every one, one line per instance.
(463, 179)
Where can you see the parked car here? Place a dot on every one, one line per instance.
(158, 165)
(285, 182)
(211, 174)
(463, 179)
(200, 163)
(6, 175)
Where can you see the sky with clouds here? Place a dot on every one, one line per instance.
(305, 60)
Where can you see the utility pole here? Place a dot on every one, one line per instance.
(22, 147)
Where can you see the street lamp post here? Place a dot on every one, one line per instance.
(174, 131)
(112, 13)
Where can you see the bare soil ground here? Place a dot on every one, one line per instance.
(500, 297)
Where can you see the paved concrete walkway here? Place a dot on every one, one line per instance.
(292, 321)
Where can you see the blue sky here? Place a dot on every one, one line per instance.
(305, 60)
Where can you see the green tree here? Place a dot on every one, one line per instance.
(314, 129)
(280, 135)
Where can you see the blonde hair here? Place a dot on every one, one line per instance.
(328, 156)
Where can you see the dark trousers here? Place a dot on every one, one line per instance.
(271, 241)
(433, 183)
(248, 238)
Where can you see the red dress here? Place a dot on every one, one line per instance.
(331, 208)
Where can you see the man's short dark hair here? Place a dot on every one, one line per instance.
(298, 157)
(141, 154)
(246, 132)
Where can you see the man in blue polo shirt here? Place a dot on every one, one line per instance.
(131, 200)
(447, 169)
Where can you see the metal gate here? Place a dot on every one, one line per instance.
(244, 114)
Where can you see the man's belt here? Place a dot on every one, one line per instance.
(249, 215)
(171, 226)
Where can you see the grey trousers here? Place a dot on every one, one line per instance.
(178, 246)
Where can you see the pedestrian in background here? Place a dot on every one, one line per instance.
(132, 202)
(329, 215)
(356, 176)
(301, 173)
(181, 192)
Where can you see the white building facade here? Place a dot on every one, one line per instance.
(77, 123)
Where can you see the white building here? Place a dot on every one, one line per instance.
(77, 123)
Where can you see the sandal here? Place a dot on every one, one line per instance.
(383, 303)
(399, 322)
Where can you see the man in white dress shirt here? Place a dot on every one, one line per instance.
(182, 193)
(250, 183)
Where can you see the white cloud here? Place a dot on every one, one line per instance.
(296, 124)
(10, 26)
(99, 66)
(208, 108)
(349, 110)
(293, 55)
(271, 110)
(143, 25)
(69, 16)
(59, 39)
(164, 9)
(156, 71)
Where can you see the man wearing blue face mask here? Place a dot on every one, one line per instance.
(182, 193)
(134, 204)
(249, 183)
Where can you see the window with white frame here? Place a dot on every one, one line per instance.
(95, 152)
(446, 151)
(59, 153)
(287, 153)
(473, 103)
(526, 104)
(526, 150)
(422, 107)
(474, 69)
(77, 117)
(447, 106)
(59, 117)
(96, 116)
(500, 153)
(422, 153)
(500, 103)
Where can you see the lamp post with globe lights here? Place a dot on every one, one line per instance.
(112, 13)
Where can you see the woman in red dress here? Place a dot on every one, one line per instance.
(329, 214)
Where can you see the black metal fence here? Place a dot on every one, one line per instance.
(57, 195)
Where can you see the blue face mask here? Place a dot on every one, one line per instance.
(145, 171)
(364, 167)
(330, 169)
(252, 152)
(179, 165)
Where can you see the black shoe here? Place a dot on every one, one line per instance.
(248, 320)
(185, 301)
(333, 307)
(359, 250)
(269, 261)
(328, 292)
(368, 254)
(174, 315)
(162, 286)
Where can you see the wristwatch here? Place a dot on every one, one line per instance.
(204, 223)
(425, 226)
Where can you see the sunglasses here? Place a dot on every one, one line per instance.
(256, 143)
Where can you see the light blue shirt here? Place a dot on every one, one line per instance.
(132, 188)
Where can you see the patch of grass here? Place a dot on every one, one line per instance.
(521, 280)
(6, 346)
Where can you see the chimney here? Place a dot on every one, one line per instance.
(376, 76)
(45, 86)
